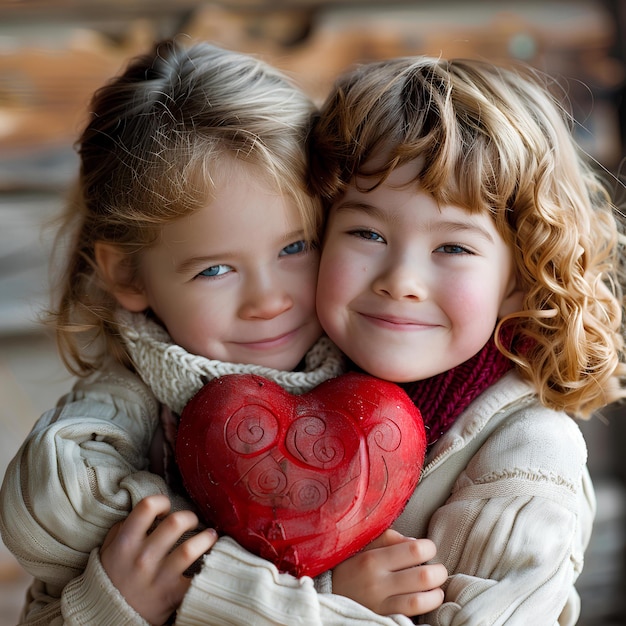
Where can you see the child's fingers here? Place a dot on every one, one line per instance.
(142, 517)
(188, 552)
(111, 535)
(411, 553)
(399, 556)
(388, 538)
(169, 531)
(422, 579)
(414, 603)
(171, 572)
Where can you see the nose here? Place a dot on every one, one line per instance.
(401, 280)
(264, 299)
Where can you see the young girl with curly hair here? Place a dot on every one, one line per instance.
(473, 254)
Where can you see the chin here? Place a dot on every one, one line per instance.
(395, 378)
(285, 364)
(278, 364)
(387, 374)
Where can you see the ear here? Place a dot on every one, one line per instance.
(513, 300)
(114, 270)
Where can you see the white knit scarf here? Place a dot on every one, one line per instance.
(175, 375)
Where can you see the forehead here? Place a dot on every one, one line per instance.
(234, 206)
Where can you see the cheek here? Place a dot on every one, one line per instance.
(335, 279)
(185, 331)
(324, 303)
(195, 327)
(475, 302)
(305, 286)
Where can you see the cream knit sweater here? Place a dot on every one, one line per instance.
(504, 495)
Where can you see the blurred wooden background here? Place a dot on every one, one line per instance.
(54, 53)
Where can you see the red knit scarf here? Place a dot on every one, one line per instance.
(442, 398)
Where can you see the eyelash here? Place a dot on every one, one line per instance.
(461, 249)
(367, 234)
(304, 246)
(203, 275)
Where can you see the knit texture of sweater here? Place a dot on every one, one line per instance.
(175, 375)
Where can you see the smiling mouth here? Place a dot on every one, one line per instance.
(270, 342)
(397, 323)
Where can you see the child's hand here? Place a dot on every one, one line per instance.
(143, 567)
(389, 577)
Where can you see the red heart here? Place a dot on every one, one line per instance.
(303, 481)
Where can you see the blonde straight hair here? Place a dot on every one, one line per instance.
(157, 136)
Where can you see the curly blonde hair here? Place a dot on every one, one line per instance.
(157, 135)
(495, 140)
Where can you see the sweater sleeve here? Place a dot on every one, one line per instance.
(235, 587)
(89, 599)
(90, 455)
(92, 599)
(515, 528)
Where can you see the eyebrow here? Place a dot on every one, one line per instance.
(454, 226)
(446, 225)
(370, 209)
(199, 261)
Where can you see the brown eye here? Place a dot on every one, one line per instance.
(453, 249)
(369, 235)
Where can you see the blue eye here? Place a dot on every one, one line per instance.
(294, 248)
(216, 270)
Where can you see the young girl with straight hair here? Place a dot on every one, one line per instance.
(193, 255)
